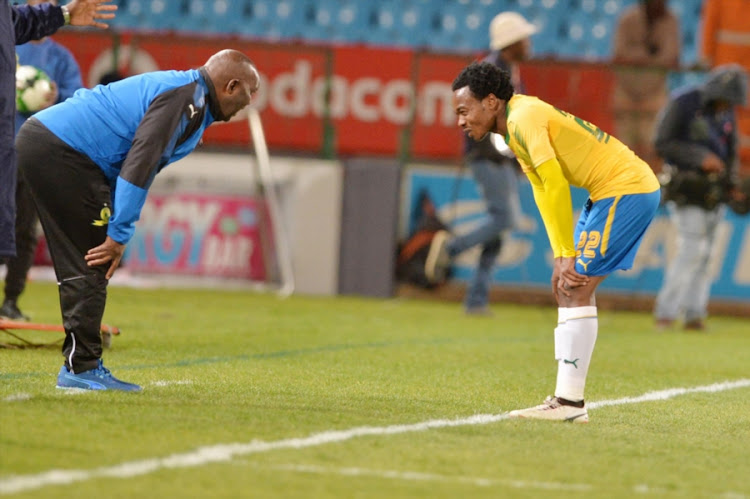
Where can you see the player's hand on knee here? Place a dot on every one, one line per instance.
(555, 281)
(568, 274)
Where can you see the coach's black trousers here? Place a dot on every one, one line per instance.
(71, 194)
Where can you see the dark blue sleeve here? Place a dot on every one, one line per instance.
(153, 145)
(33, 23)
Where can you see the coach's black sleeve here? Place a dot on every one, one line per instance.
(163, 124)
(157, 135)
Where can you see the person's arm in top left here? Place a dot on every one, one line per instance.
(35, 22)
(38, 21)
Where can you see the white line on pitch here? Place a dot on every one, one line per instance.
(171, 383)
(225, 452)
(16, 397)
(418, 476)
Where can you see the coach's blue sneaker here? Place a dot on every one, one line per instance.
(98, 378)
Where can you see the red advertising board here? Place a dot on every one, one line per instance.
(436, 133)
(206, 235)
(359, 100)
(371, 99)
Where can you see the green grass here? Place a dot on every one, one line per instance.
(234, 367)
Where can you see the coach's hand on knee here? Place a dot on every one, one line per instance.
(109, 251)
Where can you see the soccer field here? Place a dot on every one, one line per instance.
(247, 395)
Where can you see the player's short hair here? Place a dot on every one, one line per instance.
(484, 78)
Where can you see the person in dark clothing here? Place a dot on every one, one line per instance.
(19, 24)
(494, 168)
(412, 254)
(58, 63)
(697, 136)
(90, 162)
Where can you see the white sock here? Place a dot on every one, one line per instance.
(575, 336)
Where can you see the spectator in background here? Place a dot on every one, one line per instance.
(646, 45)
(19, 24)
(412, 253)
(726, 40)
(494, 168)
(58, 63)
(697, 137)
(90, 161)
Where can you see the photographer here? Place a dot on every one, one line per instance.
(696, 135)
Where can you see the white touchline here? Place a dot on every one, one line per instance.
(169, 383)
(419, 476)
(17, 397)
(225, 452)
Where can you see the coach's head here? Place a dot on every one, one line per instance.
(235, 79)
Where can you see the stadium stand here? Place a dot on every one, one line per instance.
(569, 29)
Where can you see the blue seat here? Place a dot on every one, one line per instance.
(163, 14)
(225, 16)
(290, 18)
(125, 18)
(545, 43)
(254, 18)
(350, 21)
(131, 13)
(446, 24)
(398, 22)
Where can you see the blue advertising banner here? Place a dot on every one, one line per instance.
(526, 258)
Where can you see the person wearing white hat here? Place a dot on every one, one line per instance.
(509, 28)
(495, 170)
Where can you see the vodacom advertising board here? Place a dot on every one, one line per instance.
(358, 100)
(363, 101)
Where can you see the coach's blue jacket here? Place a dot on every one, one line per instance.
(18, 24)
(132, 129)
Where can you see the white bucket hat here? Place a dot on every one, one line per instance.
(508, 28)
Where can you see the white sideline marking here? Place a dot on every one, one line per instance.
(67, 392)
(225, 452)
(168, 383)
(418, 476)
(17, 397)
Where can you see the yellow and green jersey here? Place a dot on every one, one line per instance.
(589, 157)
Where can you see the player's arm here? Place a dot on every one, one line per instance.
(153, 143)
(552, 195)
